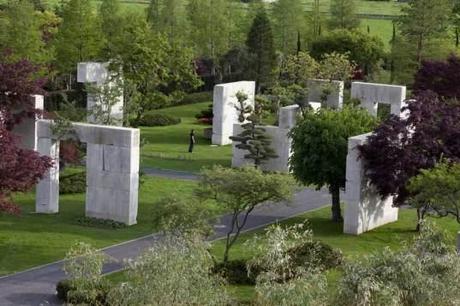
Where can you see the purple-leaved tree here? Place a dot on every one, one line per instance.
(400, 148)
(20, 169)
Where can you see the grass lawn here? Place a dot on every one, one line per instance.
(34, 239)
(167, 147)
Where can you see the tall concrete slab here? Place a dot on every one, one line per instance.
(47, 190)
(365, 209)
(225, 113)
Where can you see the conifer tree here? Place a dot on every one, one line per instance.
(262, 51)
(253, 138)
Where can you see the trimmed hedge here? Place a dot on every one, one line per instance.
(155, 119)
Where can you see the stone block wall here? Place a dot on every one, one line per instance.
(225, 114)
(365, 209)
(112, 171)
(371, 95)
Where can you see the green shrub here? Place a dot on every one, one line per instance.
(316, 253)
(155, 119)
(196, 97)
(62, 289)
(102, 223)
(67, 292)
(235, 272)
(73, 183)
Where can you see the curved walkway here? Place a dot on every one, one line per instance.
(37, 286)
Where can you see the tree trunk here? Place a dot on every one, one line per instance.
(336, 211)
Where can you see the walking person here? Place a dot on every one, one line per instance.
(192, 141)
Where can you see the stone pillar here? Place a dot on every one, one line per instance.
(288, 116)
(334, 99)
(112, 178)
(47, 191)
(225, 114)
(98, 75)
(365, 209)
(27, 129)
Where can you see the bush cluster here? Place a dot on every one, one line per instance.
(155, 119)
(66, 291)
(72, 183)
(102, 223)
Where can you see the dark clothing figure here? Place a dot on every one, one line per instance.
(192, 141)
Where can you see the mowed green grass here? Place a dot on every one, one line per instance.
(35, 239)
(167, 147)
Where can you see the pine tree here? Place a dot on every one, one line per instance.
(262, 51)
(253, 138)
(343, 15)
(79, 38)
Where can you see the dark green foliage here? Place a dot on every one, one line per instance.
(344, 15)
(72, 183)
(363, 49)
(235, 272)
(318, 253)
(155, 119)
(100, 223)
(261, 50)
(62, 289)
(320, 147)
(65, 291)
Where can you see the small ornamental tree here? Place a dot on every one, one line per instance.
(400, 148)
(442, 77)
(320, 146)
(240, 191)
(438, 190)
(20, 169)
(253, 138)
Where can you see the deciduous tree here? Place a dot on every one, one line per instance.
(240, 191)
(320, 147)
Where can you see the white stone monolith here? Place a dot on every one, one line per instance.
(98, 75)
(112, 170)
(371, 95)
(365, 209)
(316, 91)
(225, 113)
